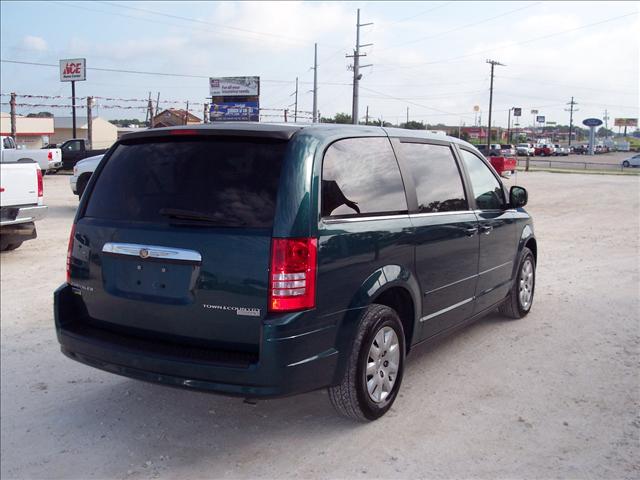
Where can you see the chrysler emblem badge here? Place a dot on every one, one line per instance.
(144, 253)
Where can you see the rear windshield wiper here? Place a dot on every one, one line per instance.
(195, 216)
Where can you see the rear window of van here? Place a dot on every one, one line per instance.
(192, 181)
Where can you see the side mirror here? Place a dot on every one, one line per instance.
(518, 197)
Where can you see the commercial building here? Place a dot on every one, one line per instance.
(104, 133)
(31, 132)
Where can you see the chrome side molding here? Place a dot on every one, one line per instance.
(152, 251)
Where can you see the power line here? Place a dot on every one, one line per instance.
(162, 74)
(512, 44)
(462, 27)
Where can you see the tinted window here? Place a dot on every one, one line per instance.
(73, 147)
(436, 177)
(486, 188)
(361, 176)
(232, 182)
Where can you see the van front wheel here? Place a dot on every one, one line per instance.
(375, 367)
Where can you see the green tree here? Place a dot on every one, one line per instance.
(413, 125)
(40, 115)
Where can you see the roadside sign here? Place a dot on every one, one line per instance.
(592, 122)
(534, 112)
(625, 122)
(476, 108)
(517, 112)
(234, 86)
(235, 112)
(552, 123)
(73, 70)
(540, 118)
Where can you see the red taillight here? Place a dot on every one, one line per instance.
(40, 184)
(69, 251)
(183, 132)
(50, 155)
(292, 277)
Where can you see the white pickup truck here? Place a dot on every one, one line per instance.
(21, 201)
(49, 159)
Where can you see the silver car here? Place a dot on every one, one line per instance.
(633, 161)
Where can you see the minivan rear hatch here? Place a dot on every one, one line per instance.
(175, 238)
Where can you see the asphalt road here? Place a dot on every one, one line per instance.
(556, 395)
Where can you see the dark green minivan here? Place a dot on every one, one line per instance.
(263, 260)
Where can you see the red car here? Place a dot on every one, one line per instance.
(544, 150)
(503, 164)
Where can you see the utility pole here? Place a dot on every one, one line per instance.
(89, 122)
(146, 117)
(356, 68)
(205, 113)
(157, 103)
(14, 129)
(606, 122)
(186, 114)
(315, 83)
(295, 108)
(366, 117)
(286, 110)
(509, 125)
(150, 112)
(571, 109)
(493, 63)
(407, 124)
(73, 106)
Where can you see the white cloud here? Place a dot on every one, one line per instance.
(37, 44)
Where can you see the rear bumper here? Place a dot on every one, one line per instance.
(289, 361)
(14, 216)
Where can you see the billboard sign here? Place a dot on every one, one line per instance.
(234, 112)
(234, 86)
(540, 119)
(625, 122)
(592, 122)
(73, 70)
(517, 112)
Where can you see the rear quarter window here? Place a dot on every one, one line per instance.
(360, 176)
(231, 181)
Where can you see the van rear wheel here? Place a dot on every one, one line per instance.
(375, 367)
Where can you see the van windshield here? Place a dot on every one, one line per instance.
(190, 181)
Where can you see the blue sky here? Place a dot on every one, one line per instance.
(428, 56)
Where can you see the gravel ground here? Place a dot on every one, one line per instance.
(556, 395)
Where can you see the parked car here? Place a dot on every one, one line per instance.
(561, 151)
(82, 172)
(525, 150)
(504, 165)
(580, 149)
(75, 150)
(544, 150)
(265, 260)
(492, 151)
(632, 161)
(507, 150)
(49, 160)
(21, 201)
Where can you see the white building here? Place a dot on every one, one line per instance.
(104, 133)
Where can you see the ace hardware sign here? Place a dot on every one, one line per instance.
(73, 70)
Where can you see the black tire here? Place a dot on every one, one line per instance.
(512, 306)
(350, 397)
(81, 185)
(625, 164)
(7, 247)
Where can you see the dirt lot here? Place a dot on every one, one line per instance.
(556, 395)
